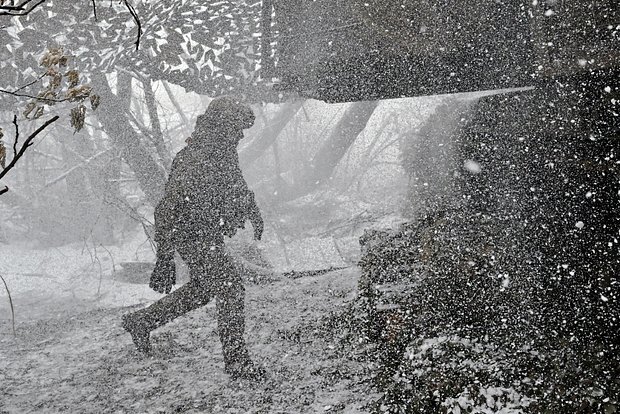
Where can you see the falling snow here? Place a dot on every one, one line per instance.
(386, 206)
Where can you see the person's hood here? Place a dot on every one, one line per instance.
(222, 124)
(227, 112)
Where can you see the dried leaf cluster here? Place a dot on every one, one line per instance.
(61, 85)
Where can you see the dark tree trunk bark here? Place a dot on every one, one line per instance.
(112, 114)
(157, 135)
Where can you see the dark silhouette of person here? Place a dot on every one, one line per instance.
(206, 198)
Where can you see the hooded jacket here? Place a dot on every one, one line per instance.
(206, 196)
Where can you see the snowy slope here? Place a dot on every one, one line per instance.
(85, 362)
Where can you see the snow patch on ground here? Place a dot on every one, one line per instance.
(87, 364)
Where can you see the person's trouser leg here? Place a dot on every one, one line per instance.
(193, 295)
(231, 319)
(215, 271)
(230, 298)
(212, 273)
(187, 298)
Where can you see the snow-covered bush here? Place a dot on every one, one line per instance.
(507, 259)
(461, 336)
(454, 375)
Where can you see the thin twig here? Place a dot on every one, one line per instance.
(175, 103)
(143, 129)
(11, 8)
(46, 155)
(100, 269)
(111, 257)
(25, 145)
(31, 83)
(136, 19)
(75, 167)
(94, 9)
(38, 98)
(20, 9)
(8, 292)
(296, 274)
(16, 136)
(124, 207)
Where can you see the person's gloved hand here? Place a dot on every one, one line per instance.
(164, 274)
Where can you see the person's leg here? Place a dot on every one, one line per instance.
(230, 303)
(231, 318)
(187, 298)
(193, 295)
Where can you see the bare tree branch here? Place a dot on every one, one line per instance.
(175, 103)
(136, 19)
(25, 95)
(46, 155)
(21, 9)
(157, 135)
(75, 167)
(10, 299)
(24, 147)
(16, 136)
(30, 84)
(22, 95)
(270, 133)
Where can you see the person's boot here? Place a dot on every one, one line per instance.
(242, 367)
(139, 331)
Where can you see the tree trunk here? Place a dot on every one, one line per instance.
(112, 114)
(157, 136)
(269, 134)
(324, 162)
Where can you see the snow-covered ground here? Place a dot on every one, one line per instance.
(70, 354)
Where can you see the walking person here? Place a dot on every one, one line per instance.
(206, 198)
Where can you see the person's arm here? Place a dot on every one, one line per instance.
(166, 214)
(167, 211)
(255, 217)
(246, 200)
